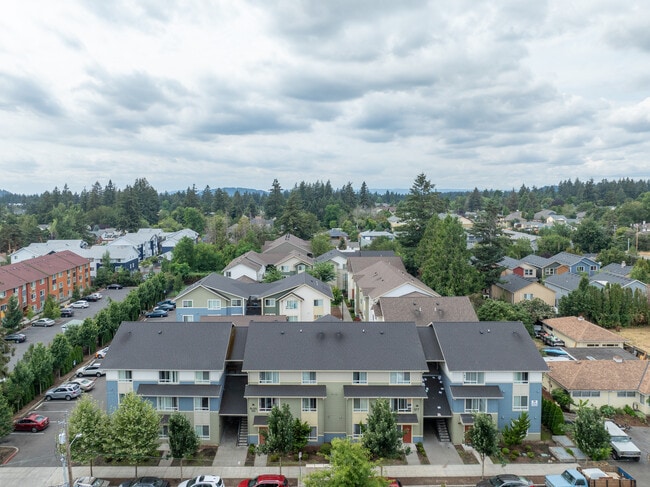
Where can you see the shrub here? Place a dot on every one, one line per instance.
(251, 449)
(562, 397)
(607, 411)
(326, 449)
(531, 455)
(505, 451)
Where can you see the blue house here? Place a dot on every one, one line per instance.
(577, 264)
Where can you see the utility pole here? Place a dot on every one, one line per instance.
(66, 459)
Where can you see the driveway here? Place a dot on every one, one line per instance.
(639, 470)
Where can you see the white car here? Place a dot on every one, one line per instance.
(85, 384)
(43, 322)
(101, 353)
(203, 481)
(93, 369)
(80, 304)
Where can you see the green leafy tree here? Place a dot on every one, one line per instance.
(484, 436)
(272, 274)
(51, 308)
(14, 315)
(134, 430)
(193, 219)
(323, 271)
(552, 244)
(612, 255)
(350, 466)
(184, 252)
(183, 441)
(6, 352)
(383, 243)
(446, 266)
(591, 237)
(491, 244)
(590, 434)
(516, 431)
(520, 248)
(6, 419)
(320, 244)
(60, 349)
(380, 435)
(278, 437)
(39, 359)
(104, 272)
(641, 271)
(92, 422)
(497, 310)
(563, 398)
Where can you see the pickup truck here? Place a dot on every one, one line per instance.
(590, 477)
(568, 478)
(621, 443)
(553, 341)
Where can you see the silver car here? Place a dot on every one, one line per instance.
(65, 391)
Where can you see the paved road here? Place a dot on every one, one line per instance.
(639, 470)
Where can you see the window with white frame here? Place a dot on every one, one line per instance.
(309, 377)
(475, 405)
(529, 272)
(291, 304)
(400, 377)
(202, 430)
(267, 403)
(284, 268)
(520, 403)
(201, 404)
(626, 394)
(167, 404)
(269, 377)
(580, 268)
(308, 404)
(168, 377)
(360, 405)
(124, 376)
(359, 377)
(549, 271)
(520, 378)
(401, 405)
(313, 433)
(318, 302)
(228, 274)
(585, 393)
(269, 302)
(202, 377)
(214, 304)
(235, 303)
(188, 318)
(528, 296)
(187, 303)
(473, 378)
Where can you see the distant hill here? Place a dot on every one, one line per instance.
(406, 191)
(231, 191)
(4, 193)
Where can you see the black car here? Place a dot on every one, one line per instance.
(505, 480)
(145, 482)
(90, 297)
(114, 286)
(15, 337)
(67, 313)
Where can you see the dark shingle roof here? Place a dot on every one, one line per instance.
(169, 346)
(333, 345)
(513, 283)
(618, 269)
(384, 391)
(470, 392)
(285, 390)
(430, 345)
(537, 261)
(180, 390)
(509, 262)
(488, 346)
(566, 281)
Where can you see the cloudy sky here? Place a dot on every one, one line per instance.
(237, 93)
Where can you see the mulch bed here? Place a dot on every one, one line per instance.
(204, 458)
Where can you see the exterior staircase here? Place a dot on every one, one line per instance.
(441, 428)
(242, 434)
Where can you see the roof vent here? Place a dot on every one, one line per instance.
(282, 332)
(363, 330)
(581, 318)
(160, 332)
(381, 332)
(321, 334)
(618, 359)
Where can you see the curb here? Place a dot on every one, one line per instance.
(10, 457)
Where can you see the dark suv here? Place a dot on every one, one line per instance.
(67, 313)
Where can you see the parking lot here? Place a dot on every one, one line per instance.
(639, 470)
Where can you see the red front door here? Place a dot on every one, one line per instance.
(407, 436)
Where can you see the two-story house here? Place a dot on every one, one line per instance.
(514, 289)
(577, 264)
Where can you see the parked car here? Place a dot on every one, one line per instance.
(622, 445)
(203, 481)
(85, 384)
(157, 313)
(168, 302)
(90, 298)
(265, 480)
(164, 307)
(505, 480)
(67, 313)
(91, 482)
(15, 337)
(94, 368)
(145, 482)
(114, 286)
(43, 322)
(80, 304)
(394, 483)
(64, 391)
(32, 422)
(101, 353)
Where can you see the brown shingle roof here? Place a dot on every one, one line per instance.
(602, 375)
(424, 309)
(382, 277)
(580, 330)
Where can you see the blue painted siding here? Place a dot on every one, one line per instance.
(111, 396)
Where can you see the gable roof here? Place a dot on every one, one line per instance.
(424, 310)
(604, 278)
(621, 269)
(602, 375)
(567, 281)
(271, 246)
(155, 346)
(509, 263)
(537, 261)
(481, 346)
(359, 262)
(250, 259)
(382, 277)
(580, 330)
(513, 283)
(333, 345)
(570, 259)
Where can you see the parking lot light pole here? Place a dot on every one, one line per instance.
(66, 459)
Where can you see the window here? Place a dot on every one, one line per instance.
(291, 304)
(284, 268)
(124, 376)
(359, 377)
(164, 431)
(235, 302)
(357, 431)
(580, 268)
(400, 405)
(520, 403)
(626, 394)
(529, 272)
(187, 303)
(309, 377)
(585, 393)
(188, 318)
(201, 404)
(267, 403)
(360, 405)
(313, 433)
(309, 404)
(167, 404)
(269, 377)
(473, 378)
(228, 274)
(168, 376)
(214, 304)
(521, 378)
(475, 405)
(318, 302)
(528, 296)
(202, 430)
(202, 377)
(400, 377)
(292, 318)
(593, 268)
(550, 271)
(270, 302)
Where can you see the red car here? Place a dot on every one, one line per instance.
(395, 483)
(265, 480)
(32, 422)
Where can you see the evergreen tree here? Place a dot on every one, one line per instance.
(364, 197)
(14, 315)
(274, 203)
(6, 419)
(491, 244)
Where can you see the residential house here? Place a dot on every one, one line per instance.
(339, 260)
(562, 285)
(336, 235)
(285, 244)
(424, 310)
(476, 377)
(146, 241)
(578, 332)
(366, 237)
(250, 265)
(300, 297)
(176, 367)
(604, 279)
(544, 267)
(514, 289)
(121, 257)
(333, 375)
(543, 215)
(577, 264)
(40, 249)
(622, 269)
(171, 239)
(365, 258)
(509, 265)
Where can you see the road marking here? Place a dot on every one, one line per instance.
(27, 433)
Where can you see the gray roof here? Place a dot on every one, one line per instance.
(333, 345)
(618, 269)
(384, 391)
(179, 390)
(233, 401)
(513, 283)
(424, 310)
(607, 278)
(169, 346)
(566, 281)
(285, 390)
(600, 353)
(430, 346)
(238, 344)
(327, 256)
(436, 404)
(509, 262)
(537, 261)
(488, 346)
(471, 392)
(569, 259)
